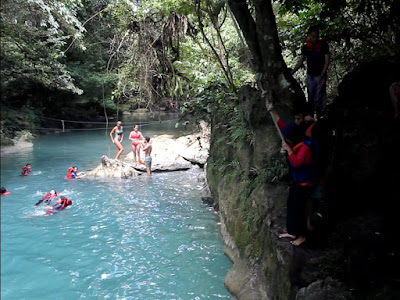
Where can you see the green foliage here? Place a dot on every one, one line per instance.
(357, 31)
(274, 171)
(20, 123)
(5, 140)
(24, 134)
(34, 34)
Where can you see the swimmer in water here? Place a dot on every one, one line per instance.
(4, 191)
(26, 170)
(62, 203)
(117, 140)
(72, 173)
(48, 197)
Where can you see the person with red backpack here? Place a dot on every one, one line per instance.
(298, 144)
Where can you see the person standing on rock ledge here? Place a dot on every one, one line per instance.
(117, 140)
(135, 136)
(147, 147)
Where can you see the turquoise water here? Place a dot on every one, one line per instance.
(138, 238)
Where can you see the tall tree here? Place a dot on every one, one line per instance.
(260, 32)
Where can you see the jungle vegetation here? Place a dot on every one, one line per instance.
(89, 59)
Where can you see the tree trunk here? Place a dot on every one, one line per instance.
(261, 36)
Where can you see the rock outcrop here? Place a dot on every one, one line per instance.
(168, 154)
(174, 154)
(20, 144)
(351, 254)
(112, 168)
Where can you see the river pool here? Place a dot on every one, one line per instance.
(139, 238)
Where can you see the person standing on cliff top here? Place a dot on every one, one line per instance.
(316, 52)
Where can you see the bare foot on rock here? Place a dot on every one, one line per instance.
(300, 240)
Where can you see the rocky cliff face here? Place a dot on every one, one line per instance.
(345, 256)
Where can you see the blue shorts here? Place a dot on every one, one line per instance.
(147, 161)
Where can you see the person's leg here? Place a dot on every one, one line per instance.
(310, 210)
(394, 96)
(120, 149)
(139, 147)
(147, 161)
(289, 214)
(137, 155)
(298, 223)
(311, 90)
(134, 154)
(320, 97)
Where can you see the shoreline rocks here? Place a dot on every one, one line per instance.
(20, 144)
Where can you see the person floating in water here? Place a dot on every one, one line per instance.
(26, 170)
(4, 191)
(117, 140)
(48, 197)
(147, 147)
(135, 136)
(61, 204)
(72, 173)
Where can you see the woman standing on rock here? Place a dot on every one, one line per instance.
(135, 136)
(117, 140)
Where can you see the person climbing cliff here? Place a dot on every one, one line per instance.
(304, 177)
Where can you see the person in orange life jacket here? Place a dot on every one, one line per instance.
(26, 169)
(62, 203)
(317, 54)
(4, 191)
(48, 197)
(302, 171)
(72, 172)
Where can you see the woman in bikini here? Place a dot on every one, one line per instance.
(135, 136)
(117, 140)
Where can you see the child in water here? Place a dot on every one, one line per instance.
(26, 170)
(4, 191)
(72, 173)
